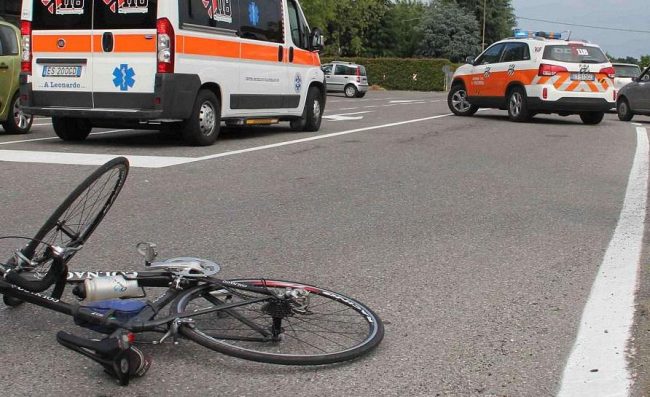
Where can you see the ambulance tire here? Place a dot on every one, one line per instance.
(202, 128)
(457, 101)
(518, 105)
(592, 118)
(312, 115)
(623, 110)
(70, 129)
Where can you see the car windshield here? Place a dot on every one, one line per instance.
(627, 71)
(574, 53)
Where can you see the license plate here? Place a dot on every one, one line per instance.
(582, 76)
(61, 71)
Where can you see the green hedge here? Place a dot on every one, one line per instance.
(397, 73)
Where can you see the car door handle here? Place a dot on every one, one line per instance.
(4, 66)
(280, 53)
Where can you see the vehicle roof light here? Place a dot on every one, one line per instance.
(522, 34)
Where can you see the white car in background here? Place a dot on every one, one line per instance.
(625, 73)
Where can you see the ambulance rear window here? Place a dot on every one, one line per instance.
(128, 14)
(574, 54)
(57, 15)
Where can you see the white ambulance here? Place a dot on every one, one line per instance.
(188, 64)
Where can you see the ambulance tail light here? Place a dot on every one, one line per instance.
(610, 72)
(550, 70)
(166, 46)
(26, 43)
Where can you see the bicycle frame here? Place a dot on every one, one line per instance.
(143, 321)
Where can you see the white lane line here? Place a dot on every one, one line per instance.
(28, 156)
(56, 137)
(315, 138)
(597, 365)
(161, 161)
(41, 124)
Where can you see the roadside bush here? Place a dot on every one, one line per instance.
(412, 74)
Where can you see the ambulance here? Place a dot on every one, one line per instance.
(184, 65)
(536, 72)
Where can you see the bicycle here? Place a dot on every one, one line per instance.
(271, 321)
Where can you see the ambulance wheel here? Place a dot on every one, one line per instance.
(518, 105)
(458, 103)
(312, 115)
(592, 118)
(623, 110)
(70, 129)
(202, 128)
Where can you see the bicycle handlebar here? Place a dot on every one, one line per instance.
(55, 271)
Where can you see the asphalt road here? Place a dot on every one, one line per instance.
(476, 240)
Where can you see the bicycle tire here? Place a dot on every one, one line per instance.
(74, 221)
(291, 349)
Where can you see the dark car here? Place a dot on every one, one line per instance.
(634, 98)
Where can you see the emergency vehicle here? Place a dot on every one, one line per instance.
(536, 72)
(186, 63)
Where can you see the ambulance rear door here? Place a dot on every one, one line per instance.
(124, 54)
(62, 65)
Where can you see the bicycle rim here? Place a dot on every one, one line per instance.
(81, 212)
(333, 328)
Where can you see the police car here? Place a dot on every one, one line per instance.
(190, 64)
(536, 72)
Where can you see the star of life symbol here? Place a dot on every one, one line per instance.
(128, 6)
(511, 69)
(124, 77)
(64, 7)
(253, 13)
(219, 10)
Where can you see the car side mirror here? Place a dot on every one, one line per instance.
(470, 60)
(316, 40)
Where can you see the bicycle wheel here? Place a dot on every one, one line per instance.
(74, 220)
(326, 328)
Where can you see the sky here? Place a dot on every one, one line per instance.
(615, 14)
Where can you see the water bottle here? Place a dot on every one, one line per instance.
(101, 288)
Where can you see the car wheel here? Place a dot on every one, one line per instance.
(70, 129)
(350, 91)
(623, 110)
(592, 118)
(458, 103)
(312, 115)
(202, 128)
(518, 105)
(17, 122)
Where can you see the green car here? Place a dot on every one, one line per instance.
(12, 118)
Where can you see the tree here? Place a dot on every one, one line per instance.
(499, 17)
(448, 32)
(397, 33)
(345, 23)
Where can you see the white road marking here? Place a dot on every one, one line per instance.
(41, 124)
(597, 365)
(637, 124)
(346, 116)
(408, 101)
(161, 161)
(28, 156)
(56, 137)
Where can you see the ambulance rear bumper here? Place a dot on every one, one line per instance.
(173, 99)
(570, 105)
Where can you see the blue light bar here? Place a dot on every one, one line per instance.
(522, 34)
